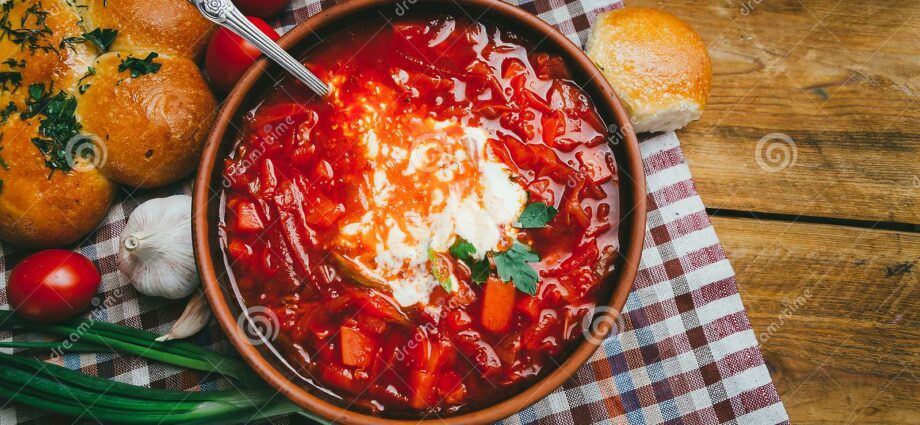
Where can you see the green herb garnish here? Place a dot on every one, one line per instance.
(513, 266)
(463, 251)
(535, 216)
(13, 63)
(90, 71)
(58, 126)
(441, 271)
(6, 112)
(3, 163)
(10, 79)
(102, 38)
(140, 67)
(31, 37)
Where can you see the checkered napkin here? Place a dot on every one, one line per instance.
(684, 351)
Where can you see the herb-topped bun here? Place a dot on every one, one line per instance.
(656, 63)
(166, 26)
(39, 207)
(31, 52)
(94, 93)
(152, 126)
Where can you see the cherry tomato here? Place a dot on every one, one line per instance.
(52, 285)
(261, 8)
(229, 56)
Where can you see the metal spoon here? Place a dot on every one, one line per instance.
(225, 14)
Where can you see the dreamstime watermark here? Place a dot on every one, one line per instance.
(748, 6)
(98, 305)
(259, 324)
(428, 328)
(430, 153)
(85, 152)
(616, 134)
(601, 323)
(270, 135)
(403, 6)
(789, 310)
(776, 152)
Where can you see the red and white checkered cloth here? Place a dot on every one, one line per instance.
(685, 352)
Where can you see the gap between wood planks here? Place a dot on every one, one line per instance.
(865, 224)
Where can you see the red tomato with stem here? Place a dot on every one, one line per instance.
(229, 56)
(261, 8)
(52, 285)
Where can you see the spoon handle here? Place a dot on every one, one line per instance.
(225, 14)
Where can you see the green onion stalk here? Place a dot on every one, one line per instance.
(68, 392)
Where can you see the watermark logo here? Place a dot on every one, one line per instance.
(259, 324)
(748, 6)
(791, 307)
(776, 152)
(616, 134)
(270, 134)
(601, 323)
(71, 339)
(85, 152)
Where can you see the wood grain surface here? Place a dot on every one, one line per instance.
(808, 157)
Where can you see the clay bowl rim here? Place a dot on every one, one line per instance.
(632, 223)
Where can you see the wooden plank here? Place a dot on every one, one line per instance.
(841, 79)
(837, 312)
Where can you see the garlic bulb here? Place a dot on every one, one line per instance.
(156, 251)
(196, 315)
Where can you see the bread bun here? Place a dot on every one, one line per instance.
(656, 63)
(66, 91)
(43, 60)
(41, 209)
(152, 127)
(164, 26)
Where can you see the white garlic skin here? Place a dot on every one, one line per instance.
(156, 252)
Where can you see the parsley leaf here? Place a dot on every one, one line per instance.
(102, 38)
(479, 271)
(140, 67)
(535, 216)
(463, 251)
(513, 267)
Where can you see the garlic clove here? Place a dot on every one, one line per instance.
(156, 252)
(195, 317)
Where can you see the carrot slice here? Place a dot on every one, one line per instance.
(497, 305)
(357, 348)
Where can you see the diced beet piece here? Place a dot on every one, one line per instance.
(247, 218)
(423, 389)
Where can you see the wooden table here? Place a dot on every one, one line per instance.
(808, 158)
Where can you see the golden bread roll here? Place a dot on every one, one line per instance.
(165, 26)
(658, 66)
(39, 208)
(36, 55)
(153, 126)
(83, 108)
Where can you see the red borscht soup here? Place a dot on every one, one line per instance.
(432, 235)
